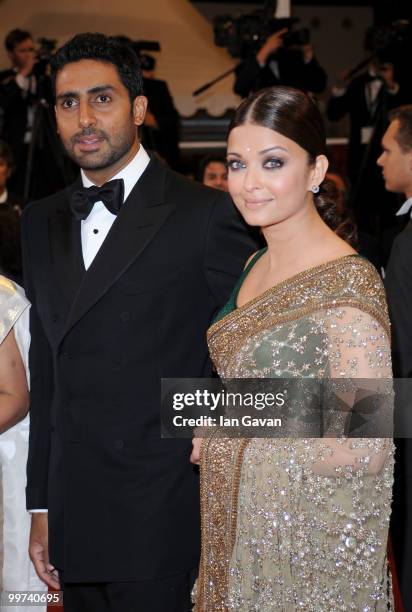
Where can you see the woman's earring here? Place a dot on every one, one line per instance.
(315, 189)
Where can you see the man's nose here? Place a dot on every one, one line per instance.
(86, 115)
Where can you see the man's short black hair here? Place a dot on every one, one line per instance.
(101, 48)
(15, 37)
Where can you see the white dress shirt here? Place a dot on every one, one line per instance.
(95, 228)
(405, 208)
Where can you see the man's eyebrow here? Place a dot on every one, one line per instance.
(93, 90)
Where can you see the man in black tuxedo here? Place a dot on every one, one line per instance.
(360, 98)
(396, 164)
(124, 280)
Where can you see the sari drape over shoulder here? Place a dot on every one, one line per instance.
(300, 524)
(12, 304)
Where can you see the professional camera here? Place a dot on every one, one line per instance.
(43, 56)
(245, 35)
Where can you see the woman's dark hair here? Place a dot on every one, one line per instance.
(293, 114)
(101, 48)
(10, 256)
(205, 161)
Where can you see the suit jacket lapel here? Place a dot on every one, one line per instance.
(65, 246)
(140, 218)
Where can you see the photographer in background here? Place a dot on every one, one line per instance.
(18, 88)
(278, 64)
(28, 118)
(360, 97)
(161, 127)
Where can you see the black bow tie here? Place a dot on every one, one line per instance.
(111, 194)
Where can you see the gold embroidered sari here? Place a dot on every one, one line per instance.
(299, 524)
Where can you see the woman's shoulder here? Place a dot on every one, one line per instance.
(360, 273)
(7, 287)
(356, 283)
(11, 293)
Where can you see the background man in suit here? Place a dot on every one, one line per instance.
(396, 164)
(161, 127)
(124, 279)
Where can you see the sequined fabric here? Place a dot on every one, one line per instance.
(300, 524)
(12, 305)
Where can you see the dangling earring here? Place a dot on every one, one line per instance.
(315, 189)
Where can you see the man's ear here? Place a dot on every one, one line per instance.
(139, 109)
(319, 171)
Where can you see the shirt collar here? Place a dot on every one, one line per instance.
(130, 173)
(3, 197)
(405, 208)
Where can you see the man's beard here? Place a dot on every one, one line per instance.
(104, 160)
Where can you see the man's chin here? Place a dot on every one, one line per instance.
(91, 162)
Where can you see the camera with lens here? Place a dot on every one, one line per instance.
(43, 56)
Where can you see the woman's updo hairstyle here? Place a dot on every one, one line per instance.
(293, 114)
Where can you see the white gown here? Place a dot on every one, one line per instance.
(17, 573)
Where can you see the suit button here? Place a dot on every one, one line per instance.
(55, 318)
(118, 444)
(124, 317)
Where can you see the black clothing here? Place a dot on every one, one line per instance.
(356, 101)
(293, 71)
(165, 139)
(170, 594)
(398, 282)
(46, 174)
(123, 503)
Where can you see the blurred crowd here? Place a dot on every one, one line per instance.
(34, 163)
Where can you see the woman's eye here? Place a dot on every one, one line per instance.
(235, 164)
(273, 163)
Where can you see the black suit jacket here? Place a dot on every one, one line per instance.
(123, 503)
(354, 103)
(398, 282)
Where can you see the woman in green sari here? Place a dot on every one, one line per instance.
(294, 524)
